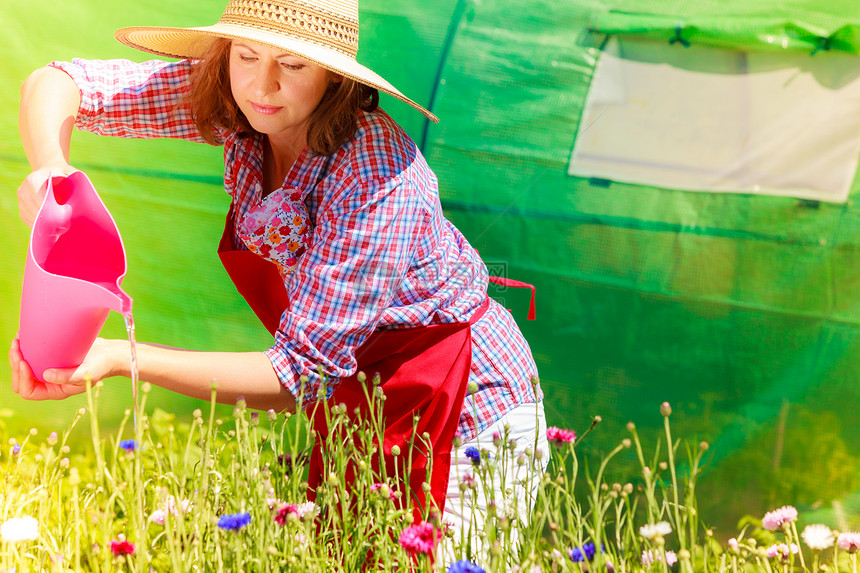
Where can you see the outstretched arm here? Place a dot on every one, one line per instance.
(246, 374)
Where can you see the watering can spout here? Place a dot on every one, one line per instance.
(75, 265)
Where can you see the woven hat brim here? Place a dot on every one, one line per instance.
(193, 42)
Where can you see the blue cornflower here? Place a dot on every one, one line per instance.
(234, 521)
(473, 454)
(128, 445)
(464, 566)
(584, 553)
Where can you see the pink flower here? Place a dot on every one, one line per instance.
(419, 538)
(469, 480)
(849, 541)
(733, 543)
(123, 547)
(282, 515)
(170, 506)
(671, 558)
(383, 490)
(560, 436)
(782, 550)
(650, 557)
(775, 519)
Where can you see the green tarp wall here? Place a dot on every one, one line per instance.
(740, 310)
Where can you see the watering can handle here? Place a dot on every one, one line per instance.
(56, 217)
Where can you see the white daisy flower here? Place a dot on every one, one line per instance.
(818, 536)
(655, 530)
(19, 529)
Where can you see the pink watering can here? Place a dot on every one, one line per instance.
(74, 267)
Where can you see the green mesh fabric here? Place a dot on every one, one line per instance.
(742, 311)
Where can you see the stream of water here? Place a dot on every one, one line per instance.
(129, 327)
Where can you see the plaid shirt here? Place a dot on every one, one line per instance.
(381, 254)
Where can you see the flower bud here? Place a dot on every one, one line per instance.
(665, 409)
(497, 439)
(395, 450)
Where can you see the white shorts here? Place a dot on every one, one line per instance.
(514, 485)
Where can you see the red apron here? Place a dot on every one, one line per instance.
(423, 370)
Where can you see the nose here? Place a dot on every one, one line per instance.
(267, 78)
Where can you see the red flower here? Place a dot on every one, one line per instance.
(284, 512)
(420, 538)
(123, 547)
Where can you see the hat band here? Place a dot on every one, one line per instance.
(295, 19)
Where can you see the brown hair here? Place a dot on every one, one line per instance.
(213, 108)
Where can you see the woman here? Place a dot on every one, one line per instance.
(335, 234)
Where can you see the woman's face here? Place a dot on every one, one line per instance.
(276, 91)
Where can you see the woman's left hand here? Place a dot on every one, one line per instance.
(64, 382)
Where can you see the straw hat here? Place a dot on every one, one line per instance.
(322, 31)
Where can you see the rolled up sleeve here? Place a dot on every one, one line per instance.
(122, 98)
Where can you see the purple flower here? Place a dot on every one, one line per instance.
(16, 449)
(584, 553)
(464, 566)
(234, 521)
(128, 445)
(473, 454)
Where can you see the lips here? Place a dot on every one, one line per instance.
(265, 109)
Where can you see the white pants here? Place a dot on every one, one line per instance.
(510, 486)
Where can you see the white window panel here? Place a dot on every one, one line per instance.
(709, 119)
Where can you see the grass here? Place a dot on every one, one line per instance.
(212, 494)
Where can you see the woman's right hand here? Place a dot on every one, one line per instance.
(32, 191)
